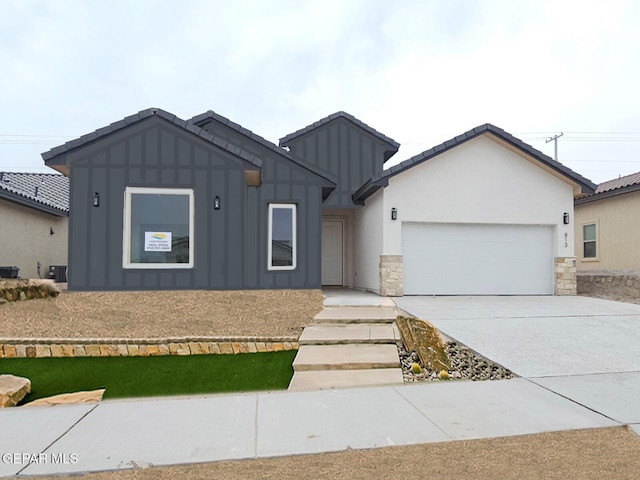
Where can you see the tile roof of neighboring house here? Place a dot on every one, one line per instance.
(142, 115)
(211, 115)
(47, 192)
(382, 179)
(626, 181)
(393, 145)
(612, 188)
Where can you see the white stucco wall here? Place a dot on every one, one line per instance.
(25, 239)
(479, 181)
(367, 243)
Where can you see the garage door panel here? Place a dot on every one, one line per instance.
(461, 259)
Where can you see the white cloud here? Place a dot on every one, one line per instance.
(419, 71)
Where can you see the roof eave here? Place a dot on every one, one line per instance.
(368, 189)
(26, 202)
(56, 158)
(608, 194)
(203, 118)
(390, 142)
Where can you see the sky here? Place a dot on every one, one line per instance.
(421, 72)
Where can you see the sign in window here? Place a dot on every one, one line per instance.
(158, 228)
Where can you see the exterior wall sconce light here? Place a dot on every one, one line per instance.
(565, 218)
(394, 213)
(96, 200)
(51, 231)
(216, 203)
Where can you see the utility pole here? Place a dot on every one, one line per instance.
(554, 139)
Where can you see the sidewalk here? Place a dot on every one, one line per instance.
(122, 434)
(117, 435)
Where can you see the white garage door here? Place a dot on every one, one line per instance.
(464, 259)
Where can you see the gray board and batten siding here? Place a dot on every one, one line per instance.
(155, 149)
(346, 148)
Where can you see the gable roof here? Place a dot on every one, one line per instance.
(50, 156)
(392, 145)
(47, 192)
(382, 179)
(211, 115)
(611, 188)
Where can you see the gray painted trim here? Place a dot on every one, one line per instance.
(51, 157)
(27, 202)
(382, 180)
(391, 143)
(607, 194)
(201, 119)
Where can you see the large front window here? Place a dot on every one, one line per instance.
(158, 228)
(282, 236)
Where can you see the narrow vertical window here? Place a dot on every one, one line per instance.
(158, 228)
(589, 248)
(282, 236)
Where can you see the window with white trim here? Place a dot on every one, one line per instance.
(282, 236)
(158, 228)
(589, 242)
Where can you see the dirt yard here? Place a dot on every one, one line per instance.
(609, 453)
(162, 314)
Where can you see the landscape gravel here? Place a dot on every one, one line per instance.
(157, 314)
(465, 364)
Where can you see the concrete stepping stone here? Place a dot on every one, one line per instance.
(356, 315)
(345, 357)
(316, 380)
(332, 334)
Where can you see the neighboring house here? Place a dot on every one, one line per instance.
(34, 209)
(608, 226)
(163, 203)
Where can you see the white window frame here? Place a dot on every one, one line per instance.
(126, 231)
(294, 238)
(596, 240)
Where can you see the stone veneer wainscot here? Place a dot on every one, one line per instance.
(391, 275)
(565, 276)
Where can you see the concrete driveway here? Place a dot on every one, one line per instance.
(585, 349)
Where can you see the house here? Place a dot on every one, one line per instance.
(607, 226)
(162, 203)
(34, 211)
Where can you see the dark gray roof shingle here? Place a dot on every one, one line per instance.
(47, 192)
(382, 179)
(142, 115)
(393, 145)
(211, 115)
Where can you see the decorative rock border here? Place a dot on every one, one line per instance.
(14, 290)
(141, 347)
(619, 284)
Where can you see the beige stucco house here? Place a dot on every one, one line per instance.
(34, 210)
(607, 226)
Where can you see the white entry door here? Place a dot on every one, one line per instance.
(463, 259)
(332, 231)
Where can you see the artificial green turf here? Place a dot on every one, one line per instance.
(124, 377)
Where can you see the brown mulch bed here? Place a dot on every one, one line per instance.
(609, 453)
(162, 314)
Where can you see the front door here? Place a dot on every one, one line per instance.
(332, 231)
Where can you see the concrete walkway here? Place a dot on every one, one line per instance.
(352, 342)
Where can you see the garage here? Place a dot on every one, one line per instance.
(477, 259)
